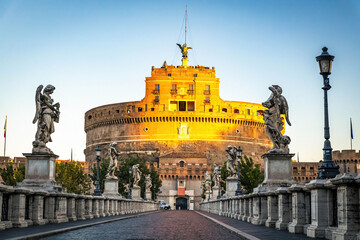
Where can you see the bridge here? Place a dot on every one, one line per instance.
(177, 224)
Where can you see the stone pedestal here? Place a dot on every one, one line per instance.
(277, 172)
(135, 192)
(215, 192)
(231, 186)
(148, 195)
(111, 187)
(40, 172)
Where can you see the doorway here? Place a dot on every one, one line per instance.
(181, 203)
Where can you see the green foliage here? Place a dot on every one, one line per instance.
(224, 175)
(12, 176)
(71, 176)
(123, 174)
(203, 187)
(250, 174)
(103, 166)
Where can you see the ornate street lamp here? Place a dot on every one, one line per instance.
(238, 156)
(97, 191)
(145, 180)
(209, 191)
(219, 176)
(328, 169)
(129, 192)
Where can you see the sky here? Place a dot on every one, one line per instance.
(99, 52)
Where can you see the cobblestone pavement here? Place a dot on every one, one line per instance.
(161, 225)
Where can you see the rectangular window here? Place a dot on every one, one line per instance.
(145, 107)
(173, 87)
(182, 106)
(169, 74)
(173, 105)
(157, 87)
(139, 109)
(157, 99)
(191, 87)
(191, 106)
(248, 111)
(207, 90)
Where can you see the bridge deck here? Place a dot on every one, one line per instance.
(157, 225)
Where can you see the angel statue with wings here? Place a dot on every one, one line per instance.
(276, 108)
(46, 114)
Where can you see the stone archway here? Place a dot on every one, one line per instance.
(181, 203)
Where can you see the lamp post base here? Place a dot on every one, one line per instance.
(328, 170)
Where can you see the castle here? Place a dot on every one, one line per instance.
(181, 126)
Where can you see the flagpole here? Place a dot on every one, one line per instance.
(351, 134)
(5, 136)
(4, 146)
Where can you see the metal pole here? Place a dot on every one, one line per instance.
(145, 189)
(209, 191)
(219, 193)
(328, 169)
(129, 192)
(97, 191)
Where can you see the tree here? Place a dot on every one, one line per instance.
(250, 174)
(123, 174)
(71, 176)
(224, 175)
(103, 166)
(12, 176)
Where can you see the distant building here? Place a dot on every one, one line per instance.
(347, 160)
(304, 171)
(181, 121)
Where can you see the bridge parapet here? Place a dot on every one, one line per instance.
(22, 207)
(320, 209)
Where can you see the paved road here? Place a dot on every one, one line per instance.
(160, 225)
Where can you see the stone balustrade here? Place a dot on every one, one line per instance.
(320, 209)
(21, 207)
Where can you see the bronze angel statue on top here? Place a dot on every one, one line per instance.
(46, 114)
(274, 124)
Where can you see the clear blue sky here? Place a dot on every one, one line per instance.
(99, 52)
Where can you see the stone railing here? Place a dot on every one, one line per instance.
(21, 207)
(320, 209)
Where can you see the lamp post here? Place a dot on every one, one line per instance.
(219, 176)
(209, 190)
(129, 192)
(145, 180)
(328, 169)
(238, 156)
(97, 191)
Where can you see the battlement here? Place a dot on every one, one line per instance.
(346, 155)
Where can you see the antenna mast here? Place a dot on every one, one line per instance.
(185, 22)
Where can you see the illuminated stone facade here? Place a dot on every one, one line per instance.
(181, 112)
